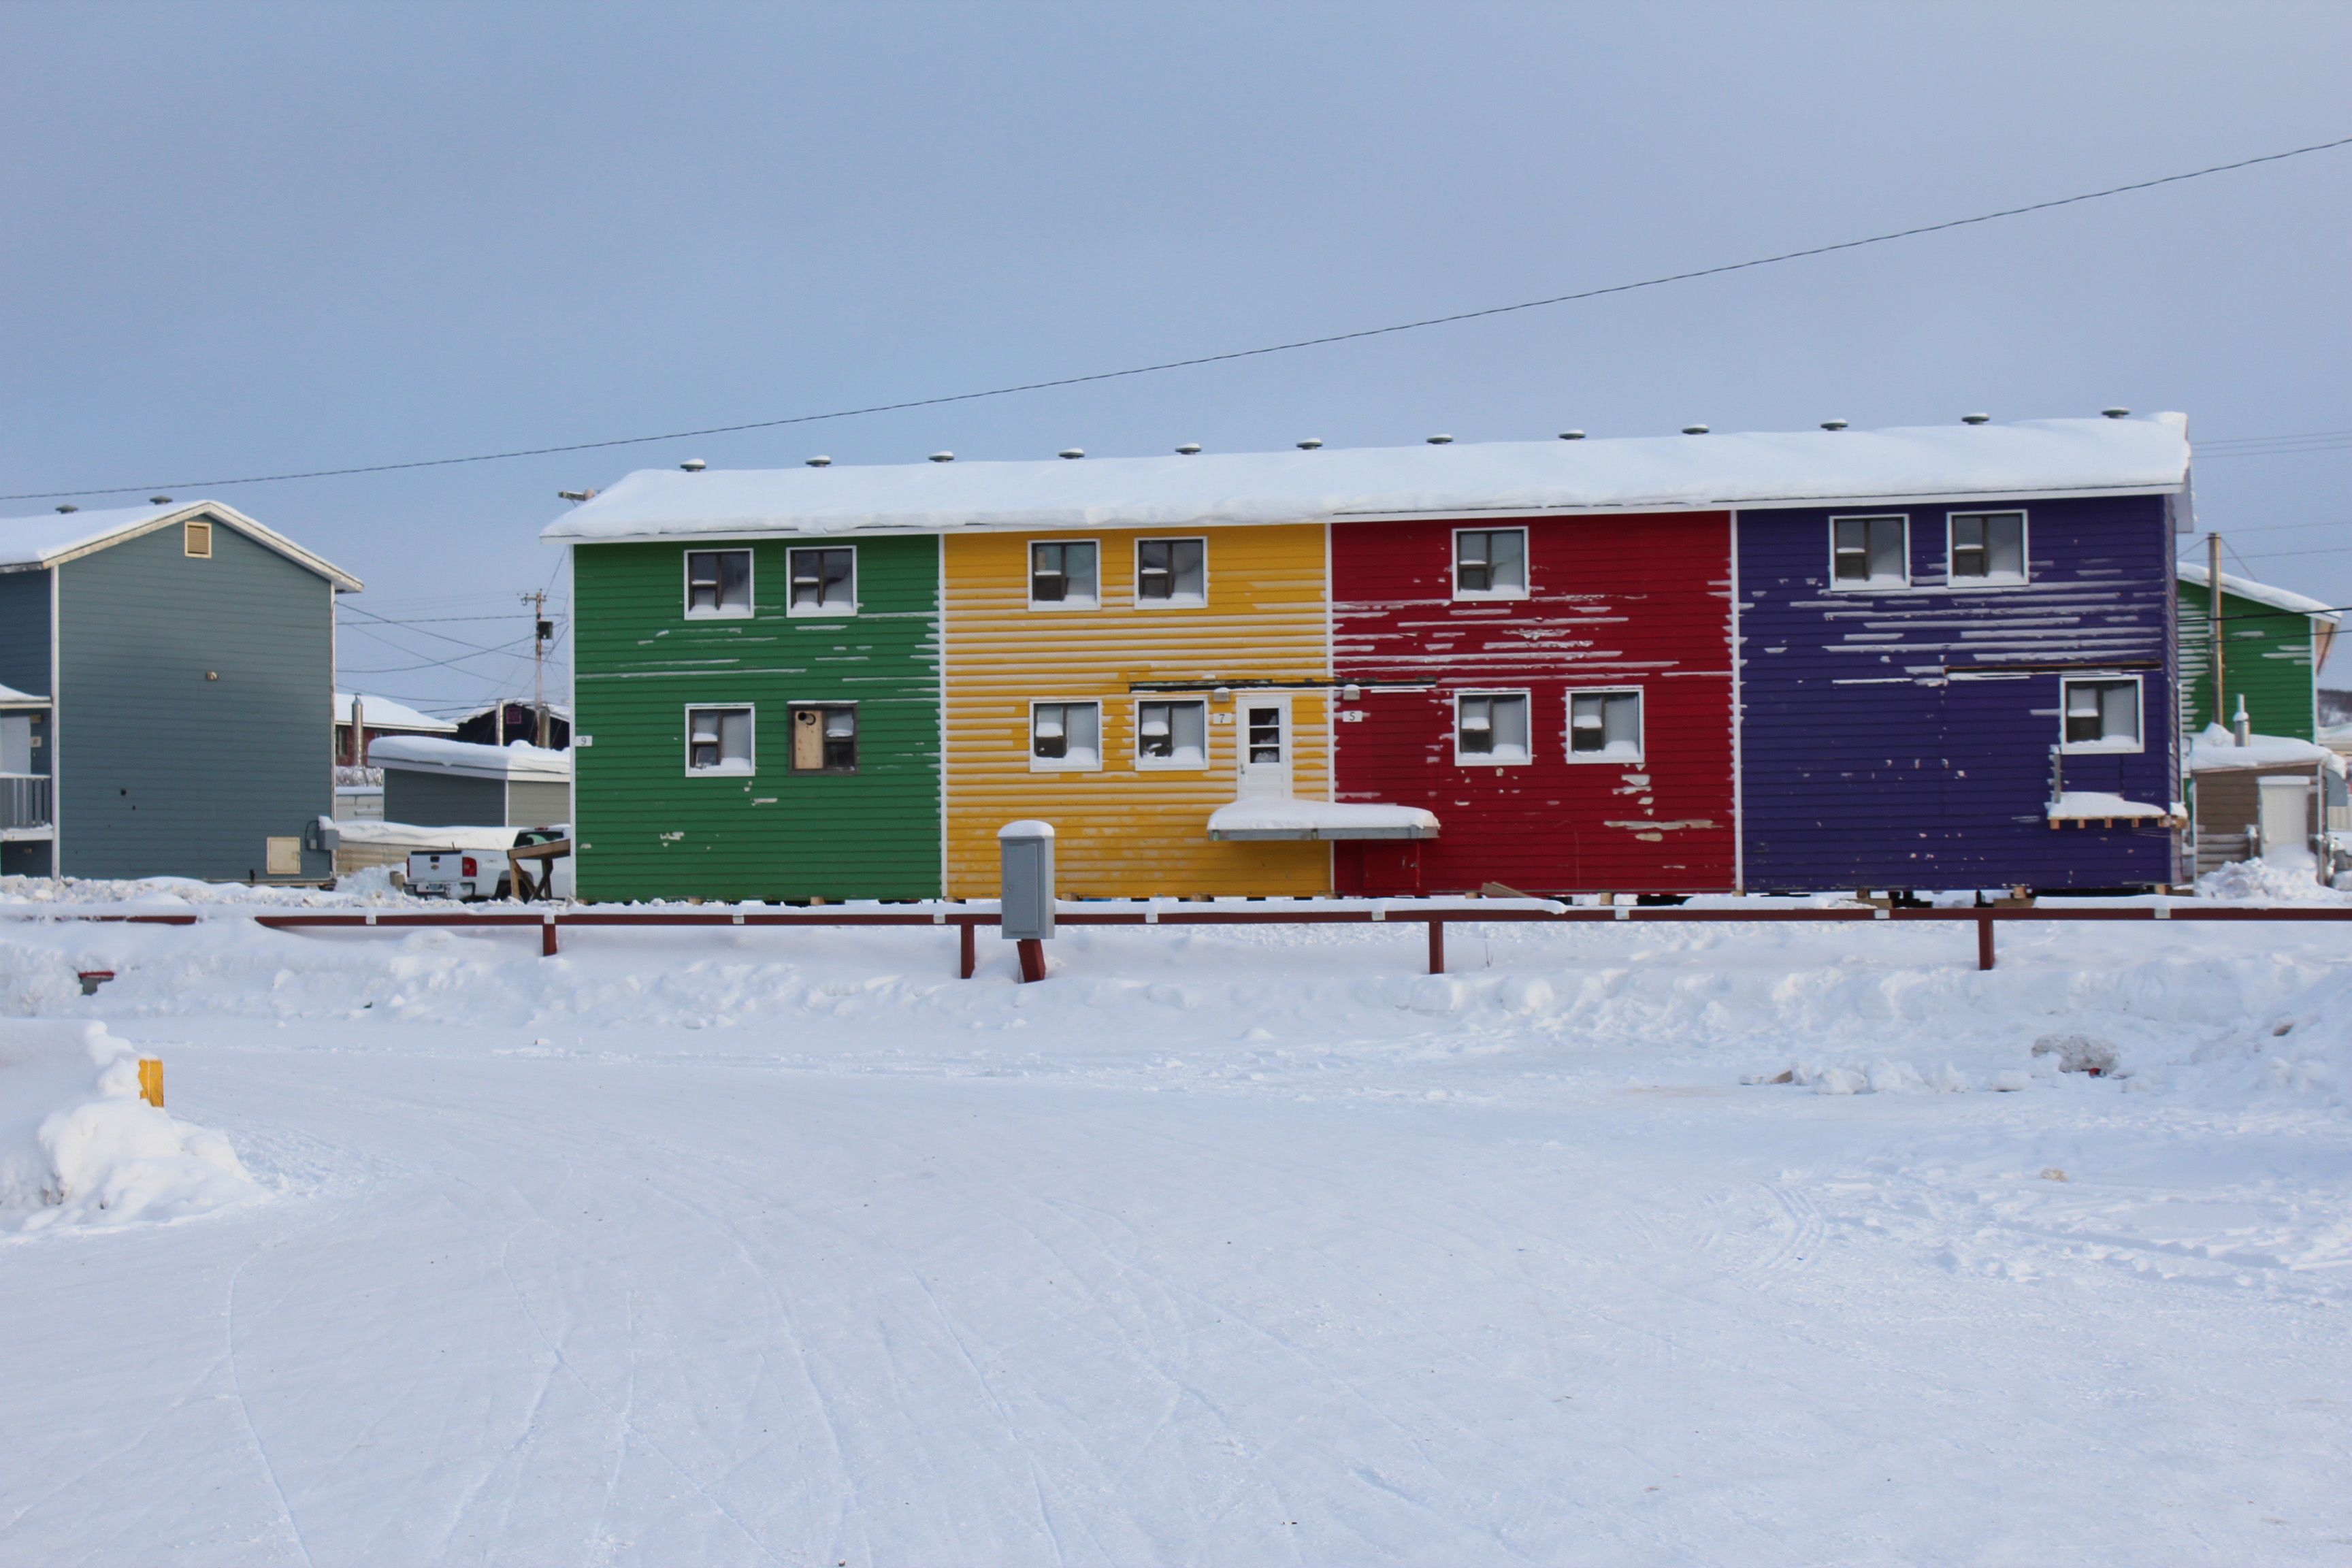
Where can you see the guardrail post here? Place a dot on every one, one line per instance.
(547, 938)
(967, 955)
(1436, 946)
(1984, 940)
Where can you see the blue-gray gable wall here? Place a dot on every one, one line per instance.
(1902, 739)
(163, 771)
(25, 631)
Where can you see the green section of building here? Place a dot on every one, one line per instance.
(2271, 650)
(657, 816)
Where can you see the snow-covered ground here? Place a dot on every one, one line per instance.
(1225, 1246)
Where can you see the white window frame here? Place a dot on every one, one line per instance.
(188, 535)
(2024, 551)
(1029, 578)
(752, 715)
(1474, 595)
(722, 611)
(792, 606)
(1602, 759)
(1171, 765)
(2137, 745)
(1462, 759)
(1873, 584)
(1174, 601)
(1038, 765)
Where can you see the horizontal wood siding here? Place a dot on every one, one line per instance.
(2266, 658)
(162, 771)
(1901, 739)
(647, 830)
(430, 799)
(1125, 832)
(25, 631)
(1638, 602)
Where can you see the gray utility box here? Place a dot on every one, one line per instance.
(1027, 894)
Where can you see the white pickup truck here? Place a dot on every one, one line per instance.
(473, 874)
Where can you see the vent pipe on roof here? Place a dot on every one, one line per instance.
(1189, 449)
(68, 507)
(942, 457)
(820, 461)
(1310, 444)
(693, 464)
(159, 500)
(1832, 424)
(575, 497)
(1071, 452)
(1571, 435)
(2116, 413)
(1694, 429)
(1976, 418)
(1439, 440)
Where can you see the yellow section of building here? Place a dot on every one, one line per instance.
(1125, 830)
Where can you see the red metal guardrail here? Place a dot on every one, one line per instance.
(1433, 914)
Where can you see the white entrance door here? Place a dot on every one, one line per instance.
(1262, 744)
(2286, 821)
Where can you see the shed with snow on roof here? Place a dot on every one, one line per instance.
(432, 783)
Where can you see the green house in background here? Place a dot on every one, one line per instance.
(754, 717)
(2274, 643)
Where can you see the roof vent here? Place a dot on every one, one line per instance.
(1071, 452)
(1189, 449)
(1832, 424)
(820, 461)
(693, 464)
(1439, 440)
(159, 500)
(2116, 413)
(1571, 435)
(1310, 444)
(1694, 429)
(68, 507)
(1976, 418)
(942, 457)
(573, 495)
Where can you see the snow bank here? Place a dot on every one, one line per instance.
(78, 1146)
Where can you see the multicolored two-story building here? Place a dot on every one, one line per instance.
(1835, 658)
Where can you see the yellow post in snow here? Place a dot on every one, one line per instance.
(150, 1081)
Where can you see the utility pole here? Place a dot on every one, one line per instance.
(541, 630)
(2213, 624)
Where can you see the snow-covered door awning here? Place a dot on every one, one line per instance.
(1284, 818)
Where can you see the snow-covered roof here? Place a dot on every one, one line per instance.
(1686, 473)
(430, 754)
(52, 539)
(12, 697)
(1281, 818)
(2260, 593)
(2216, 750)
(383, 713)
(408, 836)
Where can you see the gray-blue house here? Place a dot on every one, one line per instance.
(167, 685)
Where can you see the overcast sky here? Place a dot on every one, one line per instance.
(247, 240)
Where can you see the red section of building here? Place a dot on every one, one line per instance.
(1610, 605)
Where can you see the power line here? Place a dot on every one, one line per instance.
(1449, 319)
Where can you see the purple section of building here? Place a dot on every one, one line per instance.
(1901, 734)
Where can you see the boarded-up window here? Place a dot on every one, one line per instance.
(1065, 734)
(1490, 727)
(1604, 726)
(1172, 571)
(718, 741)
(281, 857)
(196, 540)
(2102, 715)
(825, 582)
(718, 582)
(1987, 547)
(1870, 552)
(1064, 573)
(1171, 734)
(824, 739)
(1490, 563)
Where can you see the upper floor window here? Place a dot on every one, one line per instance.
(718, 741)
(1987, 548)
(1870, 552)
(1490, 563)
(718, 582)
(1171, 734)
(1172, 571)
(825, 738)
(1490, 727)
(2102, 715)
(1604, 726)
(825, 582)
(196, 540)
(1063, 574)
